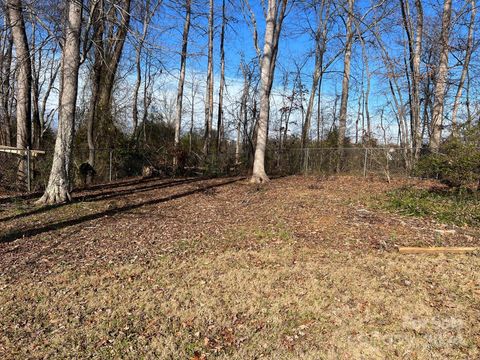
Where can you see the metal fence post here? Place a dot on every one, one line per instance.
(365, 163)
(29, 185)
(306, 160)
(110, 166)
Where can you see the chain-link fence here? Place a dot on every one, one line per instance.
(359, 161)
(116, 164)
(22, 171)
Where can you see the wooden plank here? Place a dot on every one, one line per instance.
(436, 250)
(17, 151)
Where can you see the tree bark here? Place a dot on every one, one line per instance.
(442, 75)
(36, 126)
(342, 128)
(108, 49)
(243, 116)
(222, 80)
(181, 80)
(209, 90)
(5, 89)
(414, 42)
(272, 32)
(24, 84)
(58, 188)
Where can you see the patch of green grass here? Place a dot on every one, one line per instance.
(448, 206)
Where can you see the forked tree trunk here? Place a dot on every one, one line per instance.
(466, 63)
(272, 32)
(181, 80)
(24, 83)
(58, 188)
(442, 75)
(342, 122)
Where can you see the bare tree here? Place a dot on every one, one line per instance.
(209, 88)
(346, 81)
(441, 80)
(243, 113)
(148, 13)
(323, 14)
(181, 79)
(414, 42)
(366, 135)
(274, 20)
(58, 188)
(466, 63)
(24, 82)
(222, 80)
(110, 27)
(193, 93)
(5, 81)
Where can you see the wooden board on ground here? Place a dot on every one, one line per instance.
(436, 250)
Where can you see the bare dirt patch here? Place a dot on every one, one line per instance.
(302, 267)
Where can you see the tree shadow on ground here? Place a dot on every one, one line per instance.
(17, 234)
(112, 185)
(101, 196)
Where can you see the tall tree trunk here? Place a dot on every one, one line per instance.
(222, 80)
(466, 63)
(181, 80)
(97, 39)
(5, 89)
(467, 102)
(148, 15)
(320, 48)
(319, 113)
(58, 188)
(36, 125)
(209, 89)
(24, 83)
(243, 116)
(108, 44)
(442, 75)
(342, 128)
(414, 42)
(192, 114)
(366, 95)
(272, 32)
(417, 78)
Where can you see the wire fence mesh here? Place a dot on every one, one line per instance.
(359, 161)
(121, 163)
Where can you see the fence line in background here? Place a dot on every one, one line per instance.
(118, 163)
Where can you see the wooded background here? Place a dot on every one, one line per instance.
(204, 84)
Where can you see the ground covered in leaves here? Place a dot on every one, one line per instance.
(299, 268)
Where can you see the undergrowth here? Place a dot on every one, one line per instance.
(459, 207)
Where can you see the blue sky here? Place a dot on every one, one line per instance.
(295, 46)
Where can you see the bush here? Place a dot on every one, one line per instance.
(456, 165)
(447, 206)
